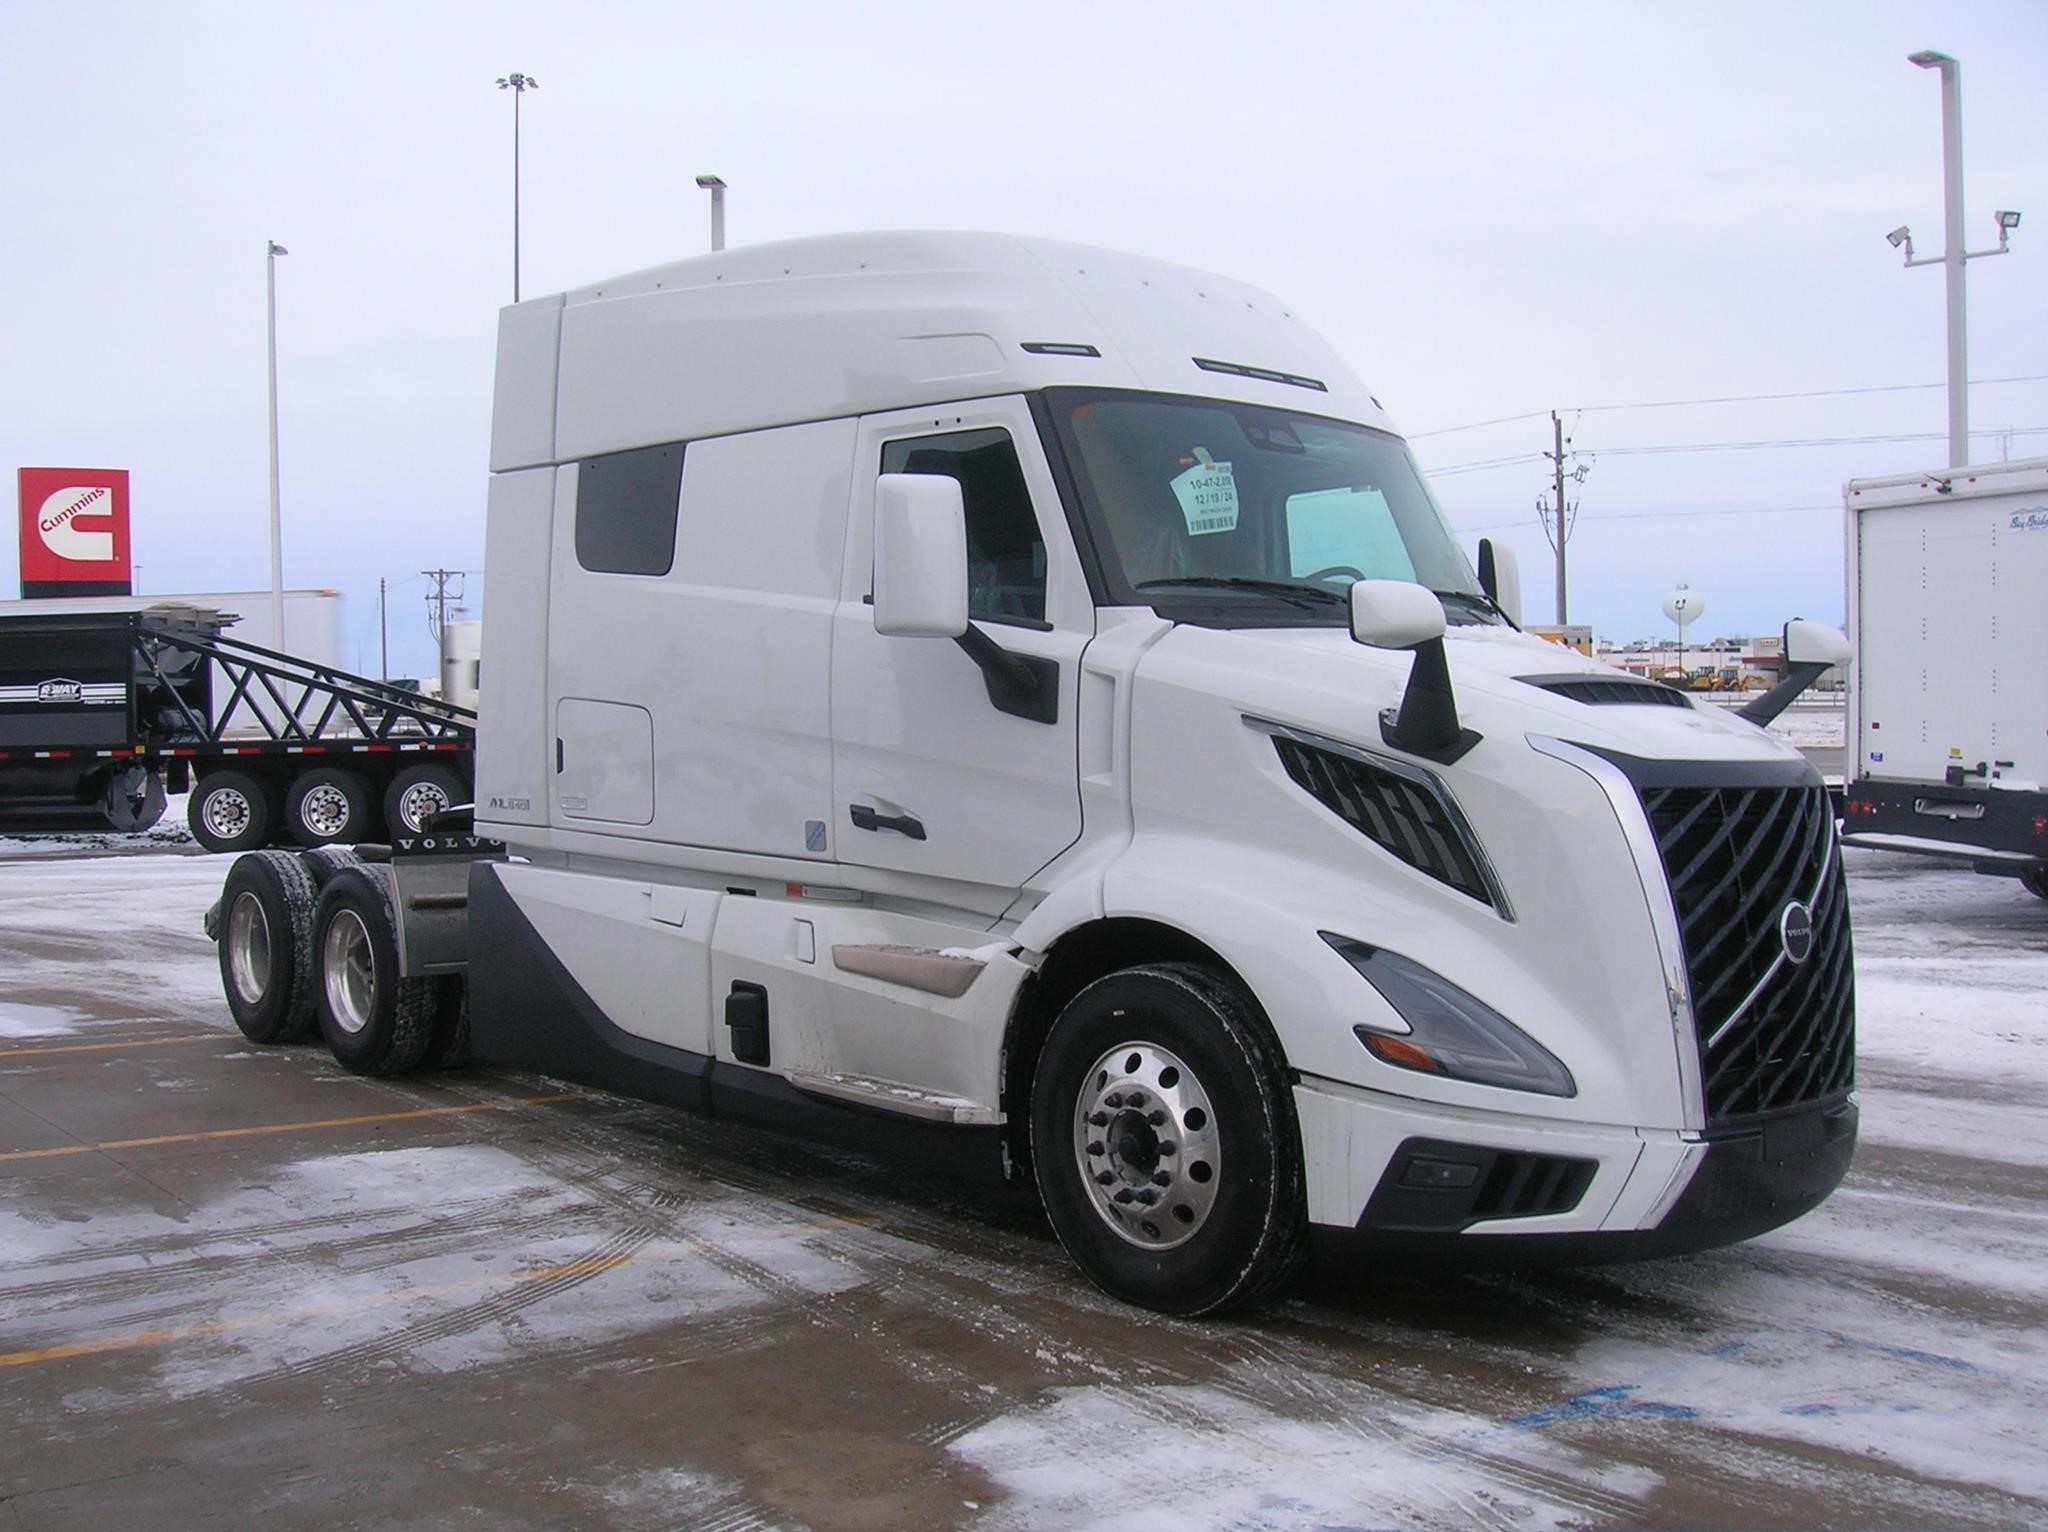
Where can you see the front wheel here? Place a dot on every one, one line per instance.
(1164, 1141)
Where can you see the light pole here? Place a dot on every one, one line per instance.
(276, 533)
(519, 85)
(1953, 255)
(717, 189)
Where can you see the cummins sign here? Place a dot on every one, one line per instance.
(74, 532)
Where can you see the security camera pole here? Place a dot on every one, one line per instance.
(1953, 255)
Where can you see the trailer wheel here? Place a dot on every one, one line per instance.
(231, 811)
(2035, 880)
(328, 806)
(375, 1022)
(423, 788)
(1164, 1141)
(266, 946)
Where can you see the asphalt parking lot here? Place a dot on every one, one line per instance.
(239, 1285)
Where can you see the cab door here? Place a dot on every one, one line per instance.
(930, 776)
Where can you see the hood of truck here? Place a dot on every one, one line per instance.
(1573, 956)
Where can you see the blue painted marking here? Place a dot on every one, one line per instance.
(1602, 1404)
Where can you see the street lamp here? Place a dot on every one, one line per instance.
(1953, 255)
(717, 189)
(519, 85)
(276, 536)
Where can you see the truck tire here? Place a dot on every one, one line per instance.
(374, 1022)
(1164, 1141)
(266, 946)
(323, 862)
(328, 806)
(423, 788)
(231, 811)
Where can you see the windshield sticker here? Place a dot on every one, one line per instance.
(1207, 494)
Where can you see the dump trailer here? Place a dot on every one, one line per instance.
(1020, 705)
(102, 713)
(1947, 693)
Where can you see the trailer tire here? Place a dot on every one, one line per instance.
(266, 946)
(328, 806)
(231, 811)
(2035, 880)
(1164, 1141)
(374, 1022)
(423, 788)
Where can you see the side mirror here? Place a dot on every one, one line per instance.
(1394, 614)
(1500, 576)
(1814, 643)
(1810, 650)
(920, 556)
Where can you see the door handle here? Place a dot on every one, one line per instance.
(865, 818)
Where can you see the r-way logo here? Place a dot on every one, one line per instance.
(61, 691)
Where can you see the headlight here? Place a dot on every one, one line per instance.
(1450, 1032)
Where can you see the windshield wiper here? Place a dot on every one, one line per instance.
(1476, 600)
(1287, 590)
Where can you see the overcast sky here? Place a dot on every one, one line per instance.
(1491, 211)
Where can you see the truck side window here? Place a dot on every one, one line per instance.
(626, 510)
(1005, 553)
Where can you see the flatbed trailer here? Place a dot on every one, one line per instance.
(103, 714)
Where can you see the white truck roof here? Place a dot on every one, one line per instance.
(851, 324)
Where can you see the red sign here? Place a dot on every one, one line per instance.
(74, 532)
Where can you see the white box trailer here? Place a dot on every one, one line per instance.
(1948, 689)
(1020, 703)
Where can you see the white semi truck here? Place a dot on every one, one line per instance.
(1021, 704)
(1948, 693)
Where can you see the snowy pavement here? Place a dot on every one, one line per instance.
(238, 1284)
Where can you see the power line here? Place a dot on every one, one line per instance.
(1674, 404)
(1719, 510)
(1482, 464)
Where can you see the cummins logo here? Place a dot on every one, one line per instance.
(1795, 930)
(58, 523)
(61, 691)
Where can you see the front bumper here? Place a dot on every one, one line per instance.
(1381, 1174)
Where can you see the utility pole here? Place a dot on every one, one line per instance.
(437, 624)
(383, 634)
(1558, 516)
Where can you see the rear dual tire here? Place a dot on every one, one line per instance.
(266, 946)
(374, 1021)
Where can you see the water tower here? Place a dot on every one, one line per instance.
(1684, 606)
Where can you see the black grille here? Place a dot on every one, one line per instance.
(1531, 1185)
(1394, 812)
(1610, 691)
(1735, 858)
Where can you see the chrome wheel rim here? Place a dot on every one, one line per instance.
(417, 802)
(226, 812)
(1146, 1144)
(348, 972)
(324, 809)
(248, 948)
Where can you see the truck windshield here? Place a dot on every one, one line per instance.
(1209, 500)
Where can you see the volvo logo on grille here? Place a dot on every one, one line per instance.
(1795, 930)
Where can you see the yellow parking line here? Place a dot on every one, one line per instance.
(140, 1042)
(175, 1333)
(280, 1127)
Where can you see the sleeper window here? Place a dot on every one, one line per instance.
(626, 510)
(1005, 553)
